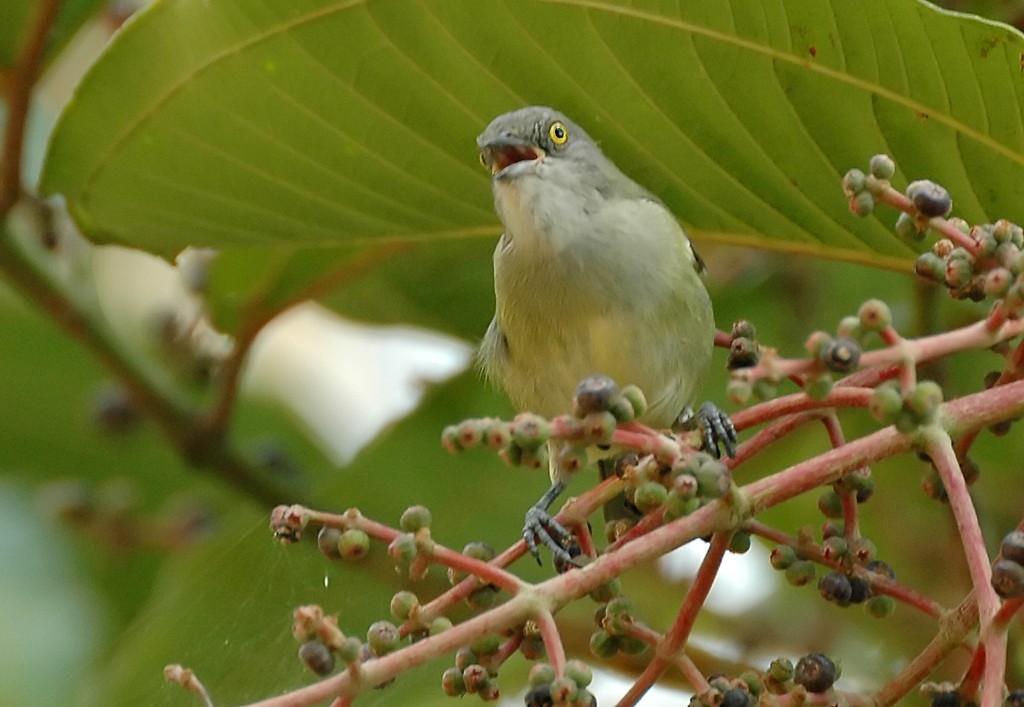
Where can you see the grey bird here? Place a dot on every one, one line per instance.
(593, 275)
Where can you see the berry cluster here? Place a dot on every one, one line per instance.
(1008, 570)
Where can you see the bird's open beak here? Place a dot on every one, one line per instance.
(499, 153)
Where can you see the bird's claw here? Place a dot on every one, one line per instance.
(539, 525)
(718, 430)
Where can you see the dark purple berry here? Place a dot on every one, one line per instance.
(736, 697)
(539, 696)
(836, 588)
(1015, 699)
(1012, 547)
(929, 198)
(317, 657)
(946, 699)
(594, 394)
(841, 355)
(816, 672)
(859, 590)
(1008, 579)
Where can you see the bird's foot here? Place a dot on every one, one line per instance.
(540, 526)
(718, 430)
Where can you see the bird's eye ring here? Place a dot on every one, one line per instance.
(483, 161)
(558, 133)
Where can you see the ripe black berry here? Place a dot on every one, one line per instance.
(946, 699)
(836, 588)
(1012, 547)
(735, 697)
(1008, 579)
(816, 672)
(317, 657)
(929, 198)
(594, 394)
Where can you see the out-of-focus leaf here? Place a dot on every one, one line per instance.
(322, 122)
(16, 17)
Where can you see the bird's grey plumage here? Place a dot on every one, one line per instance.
(592, 275)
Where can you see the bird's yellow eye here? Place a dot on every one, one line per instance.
(558, 133)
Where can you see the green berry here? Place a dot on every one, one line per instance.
(880, 606)
(354, 545)
(830, 505)
(739, 391)
(930, 267)
(476, 678)
(782, 556)
(677, 506)
(906, 228)
(630, 645)
(452, 682)
(885, 403)
(403, 548)
(649, 495)
(351, 650)
(636, 399)
(440, 625)
(713, 479)
(486, 645)
(317, 657)
(541, 674)
(598, 427)
(607, 591)
(465, 657)
(415, 518)
(603, 645)
(743, 353)
(740, 543)
(383, 638)
(874, 315)
(819, 387)
(924, 400)
(744, 328)
(834, 547)
(469, 433)
(579, 672)
(853, 182)
(529, 431)
(800, 573)
(403, 604)
(862, 204)
(483, 598)
(781, 669)
(497, 434)
(849, 328)
(882, 166)
(998, 282)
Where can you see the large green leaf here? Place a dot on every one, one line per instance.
(325, 122)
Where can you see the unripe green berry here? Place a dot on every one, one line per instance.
(607, 591)
(862, 204)
(819, 387)
(350, 651)
(739, 391)
(882, 166)
(497, 434)
(853, 182)
(713, 479)
(452, 682)
(603, 644)
(439, 625)
(414, 518)
(532, 648)
(649, 495)
(541, 674)
(403, 604)
(483, 598)
(924, 399)
(563, 691)
(874, 315)
(958, 272)
(849, 328)
(579, 672)
(998, 282)
(677, 506)
(885, 403)
(830, 504)
(470, 433)
(476, 678)
(743, 353)
(598, 426)
(744, 328)
(800, 573)
(835, 547)
(450, 439)
(880, 606)
(403, 548)
(529, 431)
(486, 645)
(383, 638)
(631, 645)
(781, 669)
(740, 542)
(930, 267)
(636, 399)
(354, 545)
(863, 550)
(782, 556)
(906, 228)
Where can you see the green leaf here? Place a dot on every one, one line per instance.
(326, 122)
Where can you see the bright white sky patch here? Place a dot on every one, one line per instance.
(743, 581)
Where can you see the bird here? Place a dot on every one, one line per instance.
(592, 275)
